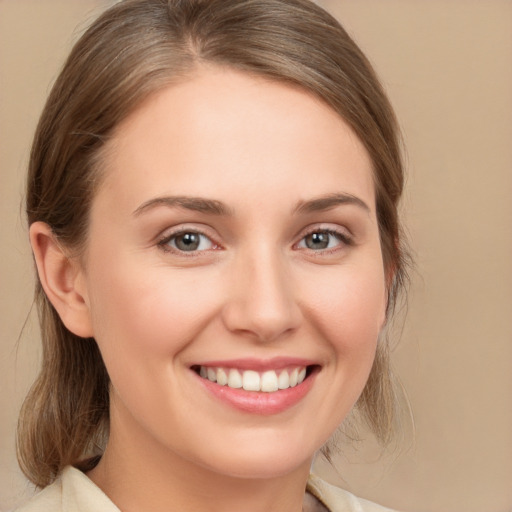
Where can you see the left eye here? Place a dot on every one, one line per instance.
(188, 241)
(320, 240)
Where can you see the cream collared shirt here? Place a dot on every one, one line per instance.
(73, 491)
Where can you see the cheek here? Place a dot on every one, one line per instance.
(349, 307)
(151, 316)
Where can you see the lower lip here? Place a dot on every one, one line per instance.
(258, 402)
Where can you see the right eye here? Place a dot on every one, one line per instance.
(187, 241)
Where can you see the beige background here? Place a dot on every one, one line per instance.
(448, 68)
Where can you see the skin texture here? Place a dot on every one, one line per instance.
(254, 289)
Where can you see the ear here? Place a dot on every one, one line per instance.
(62, 280)
(389, 277)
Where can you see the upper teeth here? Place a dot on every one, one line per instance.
(250, 380)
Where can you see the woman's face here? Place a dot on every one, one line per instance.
(234, 237)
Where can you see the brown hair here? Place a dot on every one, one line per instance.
(132, 50)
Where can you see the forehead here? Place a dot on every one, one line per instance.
(223, 131)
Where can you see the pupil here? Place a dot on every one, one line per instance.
(188, 242)
(317, 240)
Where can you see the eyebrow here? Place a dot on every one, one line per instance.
(214, 207)
(330, 201)
(197, 204)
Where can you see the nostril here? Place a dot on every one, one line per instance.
(262, 304)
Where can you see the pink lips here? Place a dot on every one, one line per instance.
(259, 402)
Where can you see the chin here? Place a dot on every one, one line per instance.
(260, 460)
(267, 468)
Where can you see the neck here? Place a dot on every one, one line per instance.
(143, 477)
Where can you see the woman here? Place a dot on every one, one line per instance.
(212, 200)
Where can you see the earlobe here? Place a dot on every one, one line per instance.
(62, 280)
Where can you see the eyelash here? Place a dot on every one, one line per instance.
(342, 237)
(164, 242)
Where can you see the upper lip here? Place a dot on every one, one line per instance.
(261, 365)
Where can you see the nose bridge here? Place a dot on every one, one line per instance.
(263, 301)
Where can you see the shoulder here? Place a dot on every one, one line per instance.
(49, 499)
(71, 492)
(339, 500)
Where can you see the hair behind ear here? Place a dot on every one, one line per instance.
(65, 414)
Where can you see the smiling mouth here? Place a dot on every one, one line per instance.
(268, 381)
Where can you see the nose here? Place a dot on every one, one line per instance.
(262, 302)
